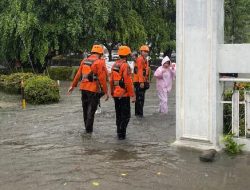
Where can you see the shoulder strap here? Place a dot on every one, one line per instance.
(89, 62)
(117, 65)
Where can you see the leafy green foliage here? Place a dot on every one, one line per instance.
(31, 28)
(61, 73)
(41, 90)
(12, 83)
(231, 146)
(2, 79)
(227, 112)
(237, 21)
(159, 22)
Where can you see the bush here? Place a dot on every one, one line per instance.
(231, 146)
(227, 112)
(23, 70)
(12, 83)
(41, 90)
(61, 73)
(2, 78)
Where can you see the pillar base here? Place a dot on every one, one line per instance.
(195, 144)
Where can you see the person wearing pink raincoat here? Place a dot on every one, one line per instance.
(164, 75)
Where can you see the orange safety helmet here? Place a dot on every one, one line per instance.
(97, 49)
(124, 51)
(144, 48)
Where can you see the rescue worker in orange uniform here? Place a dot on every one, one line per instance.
(141, 79)
(92, 72)
(121, 86)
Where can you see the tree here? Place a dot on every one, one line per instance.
(113, 22)
(31, 28)
(159, 21)
(237, 21)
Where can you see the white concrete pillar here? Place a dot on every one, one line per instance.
(200, 30)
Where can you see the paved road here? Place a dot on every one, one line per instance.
(41, 148)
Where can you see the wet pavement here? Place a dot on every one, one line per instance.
(42, 148)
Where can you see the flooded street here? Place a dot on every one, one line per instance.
(42, 148)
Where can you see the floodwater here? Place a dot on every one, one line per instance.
(42, 148)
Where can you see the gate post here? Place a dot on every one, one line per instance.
(247, 114)
(200, 30)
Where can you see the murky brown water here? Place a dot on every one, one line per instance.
(42, 148)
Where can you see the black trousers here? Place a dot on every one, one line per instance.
(122, 109)
(90, 101)
(140, 97)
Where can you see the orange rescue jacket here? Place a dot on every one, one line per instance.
(92, 72)
(141, 70)
(121, 83)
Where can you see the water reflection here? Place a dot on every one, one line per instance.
(121, 154)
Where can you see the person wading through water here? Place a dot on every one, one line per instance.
(121, 86)
(141, 79)
(93, 84)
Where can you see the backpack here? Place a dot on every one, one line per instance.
(117, 75)
(87, 73)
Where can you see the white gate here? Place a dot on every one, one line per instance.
(235, 102)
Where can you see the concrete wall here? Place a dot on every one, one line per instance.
(234, 58)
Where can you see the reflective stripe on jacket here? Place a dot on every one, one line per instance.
(142, 70)
(98, 69)
(125, 75)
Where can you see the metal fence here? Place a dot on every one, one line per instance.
(235, 102)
